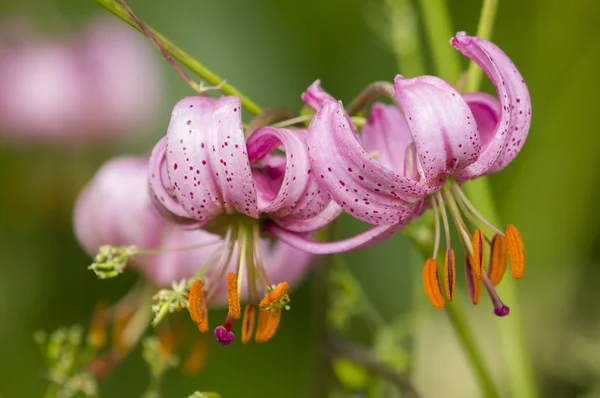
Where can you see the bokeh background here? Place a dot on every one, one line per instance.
(272, 50)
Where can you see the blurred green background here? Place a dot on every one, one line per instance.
(272, 50)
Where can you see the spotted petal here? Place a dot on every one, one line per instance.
(206, 158)
(442, 125)
(289, 194)
(361, 185)
(515, 118)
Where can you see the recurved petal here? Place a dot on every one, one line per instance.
(161, 191)
(370, 237)
(515, 118)
(387, 135)
(442, 125)
(292, 184)
(314, 96)
(206, 158)
(361, 185)
(310, 224)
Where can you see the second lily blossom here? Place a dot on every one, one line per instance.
(419, 156)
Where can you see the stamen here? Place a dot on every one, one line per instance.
(121, 321)
(197, 306)
(263, 320)
(473, 284)
(248, 322)
(499, 308)
(270, 327)
(233, 296)
(274, 296)
(436, 214)
(431, 282)
(498, 257)
(461, 195)
(98, 325)
(478, 253)
(515, 252)
(450, 273)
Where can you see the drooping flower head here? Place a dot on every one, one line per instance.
(205, 174)
(422, 151)
(115, 209)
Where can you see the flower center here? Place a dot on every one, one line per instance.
(242, 239)
(504, 245)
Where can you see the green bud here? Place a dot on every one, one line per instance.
(112, 260)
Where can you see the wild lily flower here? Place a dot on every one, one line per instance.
(423, 155)
(205, 174)
(115, 209)
(78, 90)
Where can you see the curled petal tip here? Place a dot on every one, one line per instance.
(461, 37)
(223, 336)
(502, 311)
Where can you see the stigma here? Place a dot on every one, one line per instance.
(452, 203)
(250, 280)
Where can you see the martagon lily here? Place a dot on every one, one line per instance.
(115, 209)
(205, 174)
(417, 155)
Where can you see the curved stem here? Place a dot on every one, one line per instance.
(364, 357)
(484, 30)
(183, 57)
(457, 318)
(439, 30)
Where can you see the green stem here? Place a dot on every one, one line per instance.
(439, 30)
(514, 345)
(512, 335)
(460, 324)
(405, 37)
(183, 57)
(484, 30)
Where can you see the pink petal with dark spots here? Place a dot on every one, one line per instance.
(442, 126)
(515, 117)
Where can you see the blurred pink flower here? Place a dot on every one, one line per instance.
(115, 209)
(102, 85)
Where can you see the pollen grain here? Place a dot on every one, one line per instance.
(197, 306)
(274, 296)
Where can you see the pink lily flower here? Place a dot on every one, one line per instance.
(422, 154)
(80, 90)
(204, 173)
(115, 209)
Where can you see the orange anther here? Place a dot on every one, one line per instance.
(248, 322)
(431, 282)
(473, 284)
(235, 308)
(197, 306)
(263, 320)
(515, 252)
(273, 317)
(478, 254)
(123, 315)
(498, 257)
(274, 296)
(450, 273)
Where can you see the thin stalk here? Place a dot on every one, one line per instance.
(439, 30)
(458, 321)
(484, 30)
(183, 57)
(405, 37)
(512, 333)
